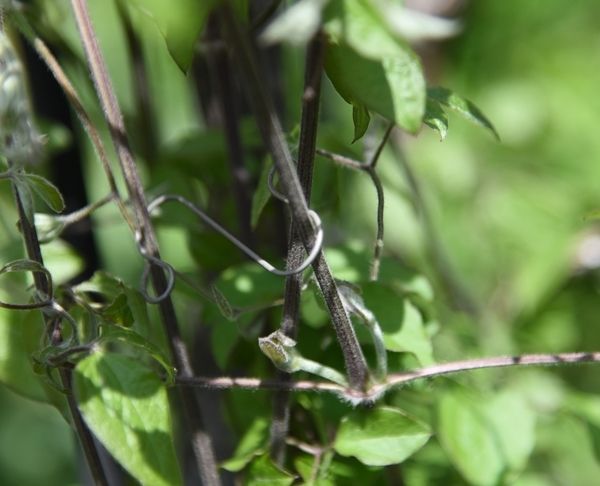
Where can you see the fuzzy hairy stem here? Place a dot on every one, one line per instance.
(272, 134)
(293, 284)
(201, 443)
(392, 380)
(34, 252)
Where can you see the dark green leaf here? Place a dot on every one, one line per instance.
(381, 436)
(47, 191)
(263, 472)
(252, 444)
(361, 119)
(435, 117)
(462, 106)
(25, 196)
(125, 405)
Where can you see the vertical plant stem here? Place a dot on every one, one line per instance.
(272, 133)
(34, 252)
(201, 442)
(293, 284)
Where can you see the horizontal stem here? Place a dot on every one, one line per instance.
(394, 379)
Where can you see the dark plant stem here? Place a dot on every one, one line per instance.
(201, 442)
(34, 252)
(224, 90)
(293, 284)
(272, 133)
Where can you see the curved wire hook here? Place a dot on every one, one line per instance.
(151, 260)
(271, 185)
(254, 256)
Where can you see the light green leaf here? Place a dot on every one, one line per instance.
(361, 119)
(263, 472)
(469, 439)
(252, 444)
(262, 194)
(62, 261)
(296, 25)
(381, 436)
(435, 117)
(125, 405)
(180, 22)
(47, 191)
(462, 106)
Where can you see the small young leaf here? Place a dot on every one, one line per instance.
(262, 194)
(462, 106)
(361, 119)
(468, 438)
(223, 304)
(263, 472)
(381, 436)
(47, 191)
(435, 117)
(296, 25)
(252, 444)
(125, 405)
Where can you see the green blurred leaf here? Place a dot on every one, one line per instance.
(263, 472)
(252, 444)
(125, 405)
(295, 25)
(361, 119)
(368, 66)
(62, 261)
(180, 22)
(462, 106)
(469, 438)
(381, 436)
(23, 189)
(47, 191)
(262, 194)
(435, 117)
(118, 311)
(223, 304)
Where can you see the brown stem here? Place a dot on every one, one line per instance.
(293, 284)
(201, 443)
(272, 133)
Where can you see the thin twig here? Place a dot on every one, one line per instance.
(393, 379)
(201, 442)
(274, 139)
(293, 284)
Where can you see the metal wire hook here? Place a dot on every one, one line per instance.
(151, 260)
(254, 256)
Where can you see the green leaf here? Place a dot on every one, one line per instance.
(361, 119)
(381, 436)
(368, 65)
(23, 189)
(263, 472)
(462, 106)
(62, 261)
(47, 191)
(118, 311)
(296, 25)
(180, 22)
(110, 332)
(223, 304)
(401, 322)
(435, 117)
(262, 194)
(252, 444)
(469, 439)
(125, 405)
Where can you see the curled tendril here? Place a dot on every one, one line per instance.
(43, 301)
(53, 309)
(151, 260)
(316, 221)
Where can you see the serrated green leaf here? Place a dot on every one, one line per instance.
(435, 117)
(110, 332)
(125, 405)
(296, 25)
(361, 119)
(262, 194)
(462, 106)
(47, 191)
(180, 22)
(263, 472)
(469, 439)
(252, 444)
(381, 436)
